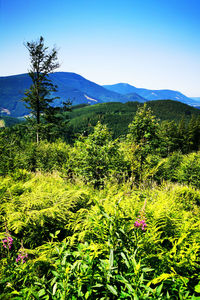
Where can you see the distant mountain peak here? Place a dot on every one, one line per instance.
(70, 86)
(164, 94)
(80, 91)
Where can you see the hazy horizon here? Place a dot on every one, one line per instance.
(147, 44)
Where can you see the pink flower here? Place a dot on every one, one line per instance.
(7, 243)
(21, 257)
(140, 223)
(137, 224)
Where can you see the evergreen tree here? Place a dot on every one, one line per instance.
(193, 134)
(169, 137)
(143, 133)
(56, 121)
(43, 62)
(182, 135)
(97, 157)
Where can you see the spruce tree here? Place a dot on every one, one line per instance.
(143, 136)
(38, 96)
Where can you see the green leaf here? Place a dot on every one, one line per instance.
(124, 295)
(197, 288)
(159, 289)
(53, 281)
(147, 270)
(41, 293)
(112, 289)
(136, 297)
(98, 285)
(87, 295)
(125, 259)
(57, 232)
(54, 288)
(111, 258)
(64, 260)
(55, 273)
(129, 287)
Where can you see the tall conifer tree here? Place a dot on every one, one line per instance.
(38, 97)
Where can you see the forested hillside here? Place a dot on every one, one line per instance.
(117, 116)
(99, 217)
(9, 121)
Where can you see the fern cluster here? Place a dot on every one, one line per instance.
(82, 242)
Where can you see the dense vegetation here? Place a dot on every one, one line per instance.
(10, 121)
(117, 116)
(99, 217)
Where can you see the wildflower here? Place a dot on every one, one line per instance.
(7, 242)
(137, 224)
(22, 255)
(140, 223)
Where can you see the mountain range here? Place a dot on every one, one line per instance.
(127, 89)
(70, 86)
(79, 90)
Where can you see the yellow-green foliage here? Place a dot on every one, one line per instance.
(172, 217)
(189, 170)
(80, 237)
(46, 157)
(43, 204)
(2, 123)
(181, 168)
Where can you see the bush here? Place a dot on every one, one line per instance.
(187, 196)
(97, 157)
(168, 167)
(44, 156)
(40, 206)
(189, 170)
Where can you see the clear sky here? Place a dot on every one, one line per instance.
(147, 43)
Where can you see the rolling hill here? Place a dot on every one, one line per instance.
(70, 86)
(118, 115)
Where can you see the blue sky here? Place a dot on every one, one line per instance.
(147, 43)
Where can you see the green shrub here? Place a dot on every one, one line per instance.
(97, 157)
(168, 167)
(189, 170)
(44, 156)
(188, 196)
